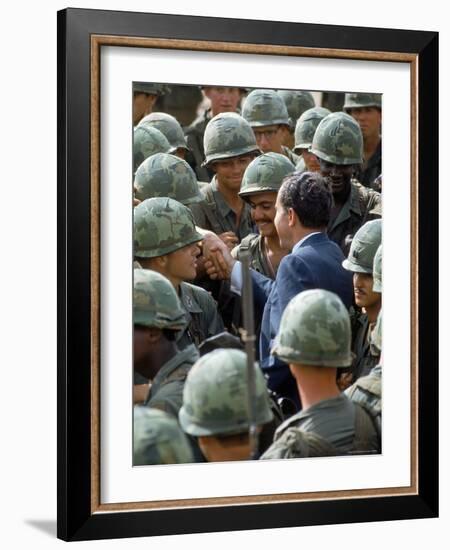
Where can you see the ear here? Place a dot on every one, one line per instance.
(153, 335)
(292, 217)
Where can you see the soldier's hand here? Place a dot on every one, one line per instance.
(221, 263)
(230, 239)
(211, 247)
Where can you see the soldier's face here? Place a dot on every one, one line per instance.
(142, 105)
(311, 161)
(223, 100)
(270, 138)
(338, 175)
(369, 120)
(263, 213)
(182, 264)
(365, 297)
(229, 172)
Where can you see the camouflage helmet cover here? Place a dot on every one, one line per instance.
(355, 100)
(147, 142)
(161, 226)
(155, 302)
(377, 268)
(315, 330)
(338, 140)
(164, 175)
(265, 174)
(363, 248)
(264, 108)
(297, 102)
(152, 88)
(158, 439)
(215, 395)
(169, 126)
(228, 135)
(306, 127)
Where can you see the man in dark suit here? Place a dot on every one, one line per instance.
(303, 209)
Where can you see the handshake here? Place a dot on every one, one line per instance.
(218, 261)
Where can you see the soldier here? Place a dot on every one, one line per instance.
(147, 142)
(266, 113)
(158, 439)
(145, 95)
(166, 241)
(366, 110)
(230, 146)
(172, 130)
(158, 317)
(337, 143)
(304, 133)
(297, 102)
(165, 175)
(215, 405)
(360, 262)
(222, 100)
(314, 339)
(368, 390)
(260, 184)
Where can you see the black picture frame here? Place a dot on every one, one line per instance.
(77, 515)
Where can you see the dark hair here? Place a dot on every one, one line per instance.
(309, 195)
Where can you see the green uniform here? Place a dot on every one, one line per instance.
(295, 159)
(214, 214)
(201, 314)
(362, 205)
(364, 360)
(194, 139)
(334, 422)
(166, 391)
(367, 391)
(259, 261)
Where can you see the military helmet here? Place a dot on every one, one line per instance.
(164, 175)
(306, 127)
(355, 100)
(228, 135)
(363, 248)
(152, 88)
(215, 395)
(264, 108)
(169, 126)
(161, 226)
(315, 330)
(155, 302)
(265, 174)
(158, 438)
(377, 268)
(338, 140)
(147, 142)
(297, 102)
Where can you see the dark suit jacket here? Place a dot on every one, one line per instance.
(317, 263)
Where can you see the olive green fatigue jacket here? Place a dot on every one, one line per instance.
(202, 316)
(293, 157)
(337, 426)
(364, 359)
(259, 261)
(194, 139)
(367, 391)
(363, 204)
(370, 170)
(213, 213)
(166, 390)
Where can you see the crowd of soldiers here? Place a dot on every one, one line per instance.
(268, 187)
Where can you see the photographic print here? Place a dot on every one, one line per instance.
(228, 340)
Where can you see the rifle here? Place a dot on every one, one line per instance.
(248, 337)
